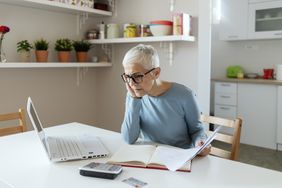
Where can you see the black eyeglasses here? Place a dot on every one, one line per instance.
(136, 77)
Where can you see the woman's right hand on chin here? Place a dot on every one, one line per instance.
(130, 90)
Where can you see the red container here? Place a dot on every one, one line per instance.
(161, 22)
(268, 73)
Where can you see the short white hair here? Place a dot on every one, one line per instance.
(144, 55)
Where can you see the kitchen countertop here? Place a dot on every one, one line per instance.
(247, 80)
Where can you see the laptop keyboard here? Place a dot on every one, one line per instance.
(67, 147)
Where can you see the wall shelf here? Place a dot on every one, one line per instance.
(169, 38)
(57, 6)
(53, 65)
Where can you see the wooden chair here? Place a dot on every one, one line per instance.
(231, 140)
(21, 127)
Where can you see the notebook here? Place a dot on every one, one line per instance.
(64, 148)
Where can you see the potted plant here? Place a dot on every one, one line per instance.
(81, 47)
(64, 47)
(23, 48)
(41, 50)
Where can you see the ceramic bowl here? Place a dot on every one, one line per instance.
(161, 30)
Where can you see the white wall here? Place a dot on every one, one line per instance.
(204, 53)
(99, 99)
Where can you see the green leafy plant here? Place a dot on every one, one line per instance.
(24, 45)
(63, 44)
(232, 71)
(41, 44)
(81, 46)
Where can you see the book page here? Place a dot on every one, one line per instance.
(173, 158)
(157, 155)
(133, 154)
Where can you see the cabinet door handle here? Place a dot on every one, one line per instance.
(225, 96)
(232, 36)
(225, 85)
(224, 108)
(277, 33)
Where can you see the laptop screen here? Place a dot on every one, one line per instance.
(35, 118)
(36, 122)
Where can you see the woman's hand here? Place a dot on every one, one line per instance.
(130, 90)
(205, 151)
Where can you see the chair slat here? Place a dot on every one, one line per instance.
(217, 121)
(10, 130)
(223, 137)
(10, 116)
(220, 153)
(20, 116)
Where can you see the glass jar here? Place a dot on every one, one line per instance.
(129, 30)
(92, 34)
(144, 30)
(112, 31)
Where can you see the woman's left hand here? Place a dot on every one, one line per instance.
(205, 151)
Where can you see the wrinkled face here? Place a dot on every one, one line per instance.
(139, 79)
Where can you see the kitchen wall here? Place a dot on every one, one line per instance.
(252, 55)
(99, 97)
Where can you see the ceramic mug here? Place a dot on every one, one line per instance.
(268, 73)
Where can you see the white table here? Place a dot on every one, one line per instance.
(24, 164)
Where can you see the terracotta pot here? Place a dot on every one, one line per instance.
(64, 56)
(81, 56)
(41, 55)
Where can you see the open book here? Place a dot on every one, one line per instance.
(158, 157)
(144, 156)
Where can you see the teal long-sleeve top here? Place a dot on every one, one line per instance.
(171, 118)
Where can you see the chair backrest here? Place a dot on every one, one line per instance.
(21, 127)
(233, 140)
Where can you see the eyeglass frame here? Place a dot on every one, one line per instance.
(132, 77)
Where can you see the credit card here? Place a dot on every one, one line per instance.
(134, 182)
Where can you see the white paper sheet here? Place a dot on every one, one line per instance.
(175, 158)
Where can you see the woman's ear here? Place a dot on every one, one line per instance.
(157, 72)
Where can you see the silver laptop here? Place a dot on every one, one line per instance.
(67, 147)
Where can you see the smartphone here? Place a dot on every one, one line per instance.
(100, 170)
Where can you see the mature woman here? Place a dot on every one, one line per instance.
(163, 112)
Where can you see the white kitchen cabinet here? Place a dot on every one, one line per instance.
(265, 20)
(233, 24)
(225, 111)
(279, 115)
(225, 99)
(257, 108)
